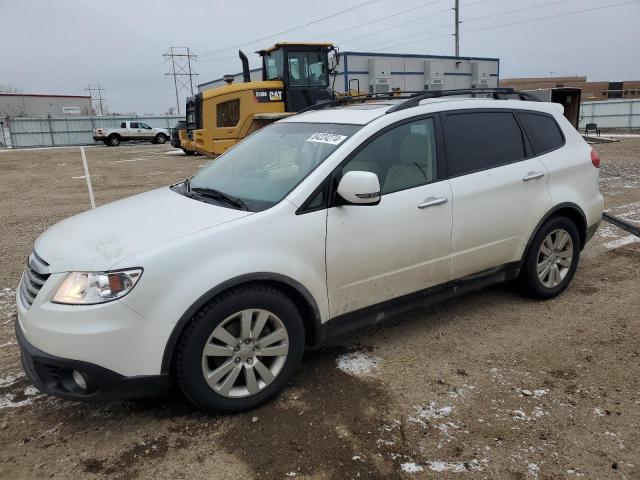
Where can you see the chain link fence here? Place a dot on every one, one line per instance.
(65, 131)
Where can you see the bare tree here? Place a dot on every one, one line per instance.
(170, 111)
(9, 88)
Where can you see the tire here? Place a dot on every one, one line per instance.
(160, 138)
(188, 152)
(106, 142)
(555, 249)
(114, 140)
(241, 378)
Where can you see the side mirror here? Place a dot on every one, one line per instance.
(360, 187)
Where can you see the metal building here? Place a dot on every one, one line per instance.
(369, 72)
(39, 105)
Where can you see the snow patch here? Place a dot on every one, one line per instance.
(599, 412)
(10, 379)
(431, 412)
(533, 470)
(357, 363)
(411, 467)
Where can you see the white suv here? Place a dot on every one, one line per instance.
(313, 226)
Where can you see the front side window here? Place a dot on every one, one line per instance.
(543, 132)
(262, 169)
(228, 113)
(403, 157)
(144, 125)
(273, 65)
(481, 140)
(308, 69)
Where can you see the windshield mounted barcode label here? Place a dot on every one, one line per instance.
(330, 138)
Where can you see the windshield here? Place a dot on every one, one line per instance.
(262, 169)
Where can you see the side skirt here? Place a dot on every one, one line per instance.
(343, 324)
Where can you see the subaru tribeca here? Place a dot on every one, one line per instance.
(311, 227)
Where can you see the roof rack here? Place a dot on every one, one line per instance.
(497, 93)
(351, 99)
(413, 98)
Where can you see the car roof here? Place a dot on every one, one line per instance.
(363, 113)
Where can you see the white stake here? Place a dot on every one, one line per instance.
(86, 174)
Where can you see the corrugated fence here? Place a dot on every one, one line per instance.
(62, 131)
(611, 114)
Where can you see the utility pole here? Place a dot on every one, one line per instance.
(97, 96)
(180, 68)
(457, 34)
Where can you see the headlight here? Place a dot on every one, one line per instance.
(89, 288)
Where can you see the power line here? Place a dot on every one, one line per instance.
(430, 16)
(386, 17)
(298, 27)
(97, 98)
(181, 67)
(573, 12)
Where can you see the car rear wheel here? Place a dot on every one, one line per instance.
(114, 140)
(552, 259)
(160, 139)
(240, 350)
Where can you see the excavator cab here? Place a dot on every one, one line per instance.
(304, 70)
(294, 76)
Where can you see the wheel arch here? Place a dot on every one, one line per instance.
(569, 210)
(300, 296)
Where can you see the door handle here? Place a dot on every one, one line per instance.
(532, 176)
(432, 202)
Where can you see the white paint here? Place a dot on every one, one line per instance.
(411, 467)
(357, 363)
(88, 177)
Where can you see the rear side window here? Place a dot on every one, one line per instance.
(543, 132)
(481, 140)
(228, 113)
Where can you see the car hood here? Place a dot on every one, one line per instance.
(98, 239)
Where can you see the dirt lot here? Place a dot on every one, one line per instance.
(490, 385)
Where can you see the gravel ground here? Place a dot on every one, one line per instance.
(490, 385)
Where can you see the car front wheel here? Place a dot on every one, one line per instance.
(240, 350)
(552, 259)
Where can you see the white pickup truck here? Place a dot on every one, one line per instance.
(130, 131)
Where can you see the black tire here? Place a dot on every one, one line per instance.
(188, 364)
(160, 138)
(106, 142)
(531, 283)
(114, 140)
(188, 152)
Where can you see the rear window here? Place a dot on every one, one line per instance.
(481, 140)
(543, 132)
(228, 113)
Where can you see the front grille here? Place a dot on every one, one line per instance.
(33, 279)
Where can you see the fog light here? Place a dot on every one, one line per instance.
(79, 380)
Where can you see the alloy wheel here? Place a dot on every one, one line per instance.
(245, 353)
(554, 258)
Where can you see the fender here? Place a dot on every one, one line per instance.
(300, 289)
(550, 213)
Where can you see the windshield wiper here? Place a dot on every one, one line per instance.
(217, 195)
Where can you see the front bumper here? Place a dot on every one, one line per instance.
(54, 376)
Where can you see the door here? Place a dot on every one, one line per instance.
(401, 245)
(499, 189)
(146, 131)
(135, 131)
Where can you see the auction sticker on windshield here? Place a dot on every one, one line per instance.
(331, 138)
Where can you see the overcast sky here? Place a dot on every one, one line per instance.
(62, 46)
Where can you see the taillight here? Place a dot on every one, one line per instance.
(595, 158)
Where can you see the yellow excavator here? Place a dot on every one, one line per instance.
(294, 76)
